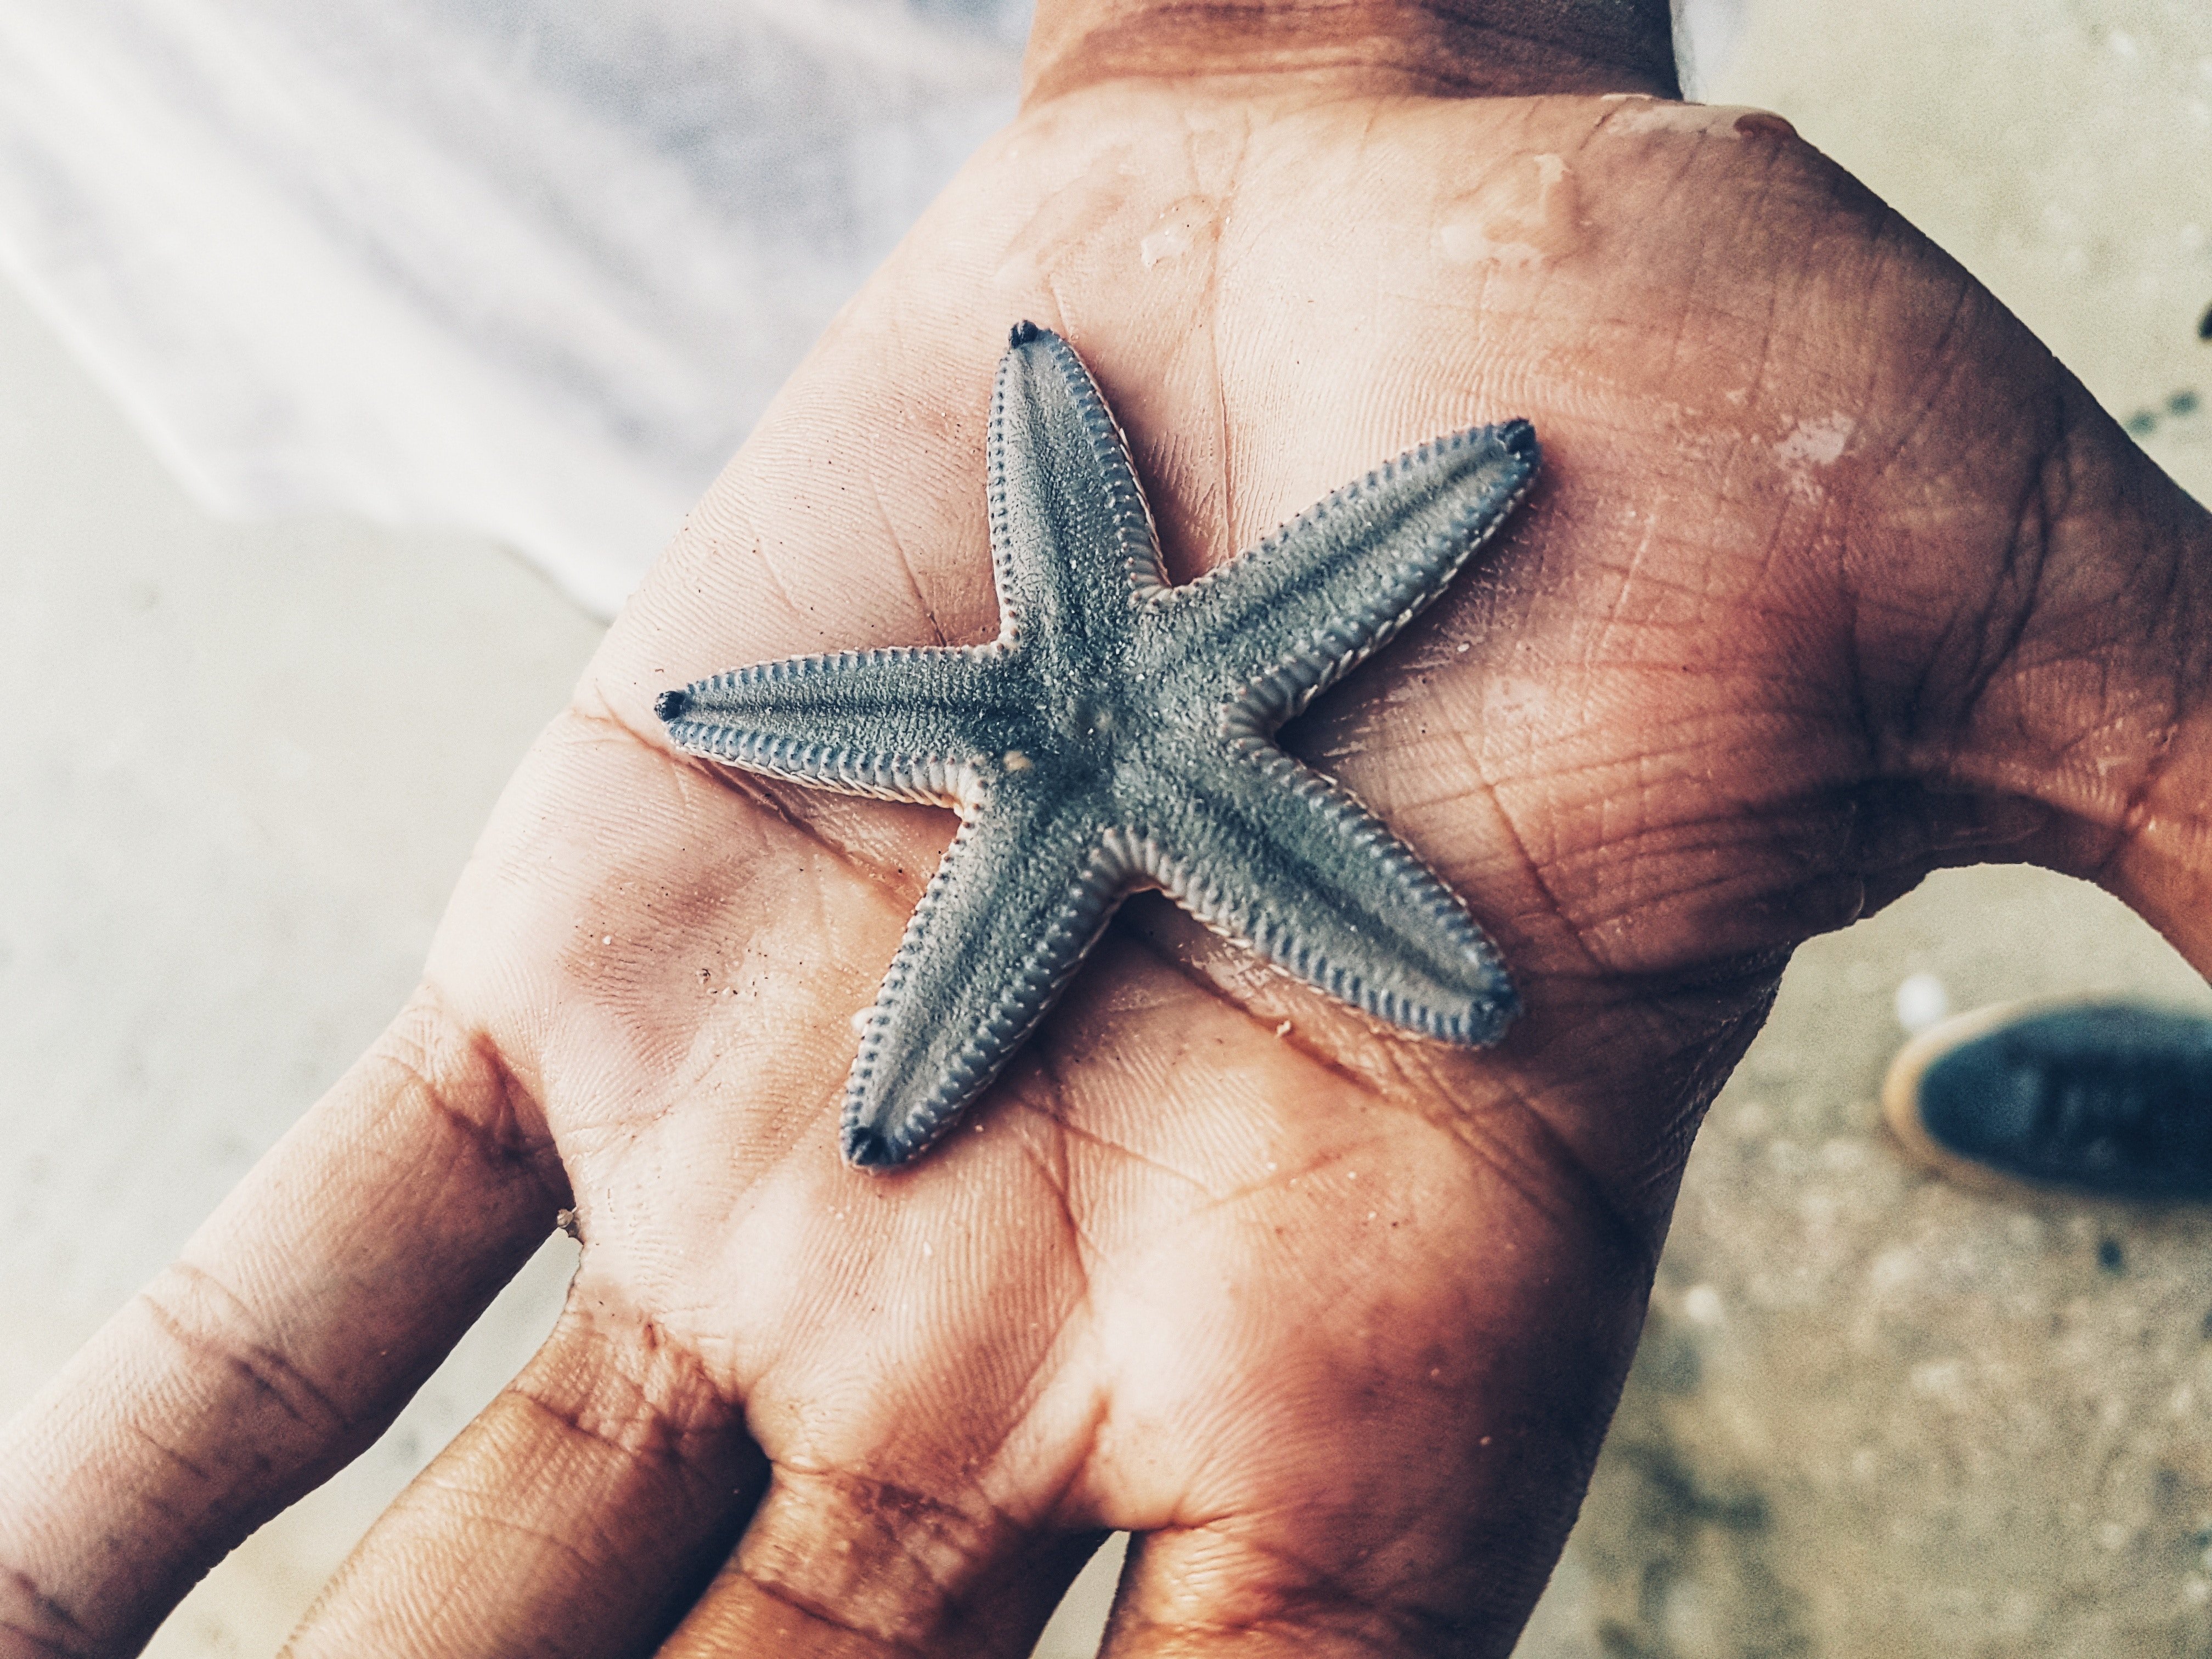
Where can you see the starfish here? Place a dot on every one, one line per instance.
(1117, 734)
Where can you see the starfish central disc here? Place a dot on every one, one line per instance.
(1119, 730)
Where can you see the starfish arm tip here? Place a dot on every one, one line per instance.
(1518, 437)
(671, 705)
(869, 1150)
(1484, 1003)
(880, 1132)
(1474, 1018)
(1488, 1020)
(1021, 334)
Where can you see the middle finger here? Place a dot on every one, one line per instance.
(834, 1569)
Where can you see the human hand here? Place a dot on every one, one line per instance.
(1833, 577)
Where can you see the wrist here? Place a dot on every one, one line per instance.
(1453, 48)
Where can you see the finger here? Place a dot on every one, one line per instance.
(580, 1513)
(838, 1568)
(291, 1329)
(2100, 704)
(1235, 1588)
(2029, 597)
(1409, 1466)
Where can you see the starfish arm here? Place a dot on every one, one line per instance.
(1281, 858)
(908, 723)
(1073, 546)
(1019, 899)
(1289, 619)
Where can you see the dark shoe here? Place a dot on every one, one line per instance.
(2112, 1099)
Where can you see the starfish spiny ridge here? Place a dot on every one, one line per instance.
(1118, 734)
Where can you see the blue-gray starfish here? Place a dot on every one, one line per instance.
(1117, 733)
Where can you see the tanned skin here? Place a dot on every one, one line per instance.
(1833, 576)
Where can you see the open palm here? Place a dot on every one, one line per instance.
(1833, 577)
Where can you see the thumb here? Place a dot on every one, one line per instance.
(2085, 683)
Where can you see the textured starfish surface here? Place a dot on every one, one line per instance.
(1117, 734)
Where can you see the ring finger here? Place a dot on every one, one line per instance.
(580, 1514)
